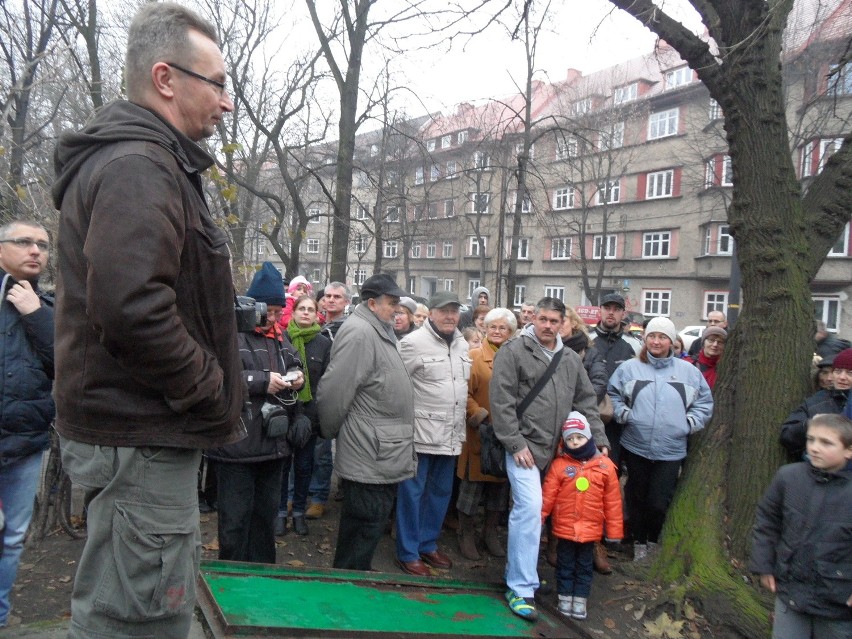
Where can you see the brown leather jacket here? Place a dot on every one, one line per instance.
(146, 341)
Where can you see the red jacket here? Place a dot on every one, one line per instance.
(580, 515)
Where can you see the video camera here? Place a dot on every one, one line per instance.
(250, 314)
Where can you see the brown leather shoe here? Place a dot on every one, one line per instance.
(416, 567)
(600, 559)
(436, 559)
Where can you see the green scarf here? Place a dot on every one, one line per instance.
(299, 337)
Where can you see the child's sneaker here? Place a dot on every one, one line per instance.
(640, 552)
(565, 602)
(578, 608)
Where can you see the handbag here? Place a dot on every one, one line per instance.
(492, 454)
(276, 420)
(606, 409)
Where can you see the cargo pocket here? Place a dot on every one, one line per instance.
(155, 553)
(836, 578)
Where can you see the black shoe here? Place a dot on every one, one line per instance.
(204, 507)
(280, 525)
(300, 526)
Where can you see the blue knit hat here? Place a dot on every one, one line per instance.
(267, 286)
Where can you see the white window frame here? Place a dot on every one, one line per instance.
(392, 214)
(449, 284)
(523, 248)
(841, 83)
(520, 294)
(808, 159)
(430, 145)
(714, 111)
(627, 93)
(418, 175)
(841, 247)
(827, 309)
(679, 77)
(610, 251)
(431, 250)
(663, 124)
(362, 244)
(374, 150)
(727, 177)
(452, 170)
(481, 161)
(461, 138)
(315, 275)
(582, 106)
(446, 141)
(312, 246)
(473, 202)
(563, 198)
(447, 250)
(656, 244)
(724, 240)
(434, 173)
(359, 276)
(449, 208)
(432, 210)
(551, 290)
(471, 285)
(659, 184)
(361, 212)
(827, 148)
(715, 301)
(415, 250)
(612, 139)
(566, 148)
(314, 216)
(560, 248)
(390, 249)
(656, 302)
(473, 245)
(608, 192)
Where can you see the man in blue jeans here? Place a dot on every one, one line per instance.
(530, 440)
(26, 374)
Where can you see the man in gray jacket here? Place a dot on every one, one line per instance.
(366, 400)
(530, 439)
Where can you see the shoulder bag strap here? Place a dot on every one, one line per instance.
(539, 384)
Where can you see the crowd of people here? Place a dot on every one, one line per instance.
(154, 368)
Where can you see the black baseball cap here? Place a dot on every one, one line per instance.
(380, 284)
(612, 298)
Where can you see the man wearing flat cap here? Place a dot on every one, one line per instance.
(435, 356)
(366, 400)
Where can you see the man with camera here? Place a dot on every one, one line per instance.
(366, 400)
(146, 338)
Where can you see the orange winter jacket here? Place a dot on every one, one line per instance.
(579, 515)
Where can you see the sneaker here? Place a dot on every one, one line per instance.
(522, 606)
(578, 608)
(315, 511)
(565, 602)
(300, 527)
(640, 552)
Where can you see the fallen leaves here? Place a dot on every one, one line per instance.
(664, 627)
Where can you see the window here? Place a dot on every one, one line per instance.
(523, 248)
(312, 245)
(656, 244)
(418, 212)
(315, 275)
(471, 285)
(418, 175)
(431, 249)
(449, 284)
(449, 208)
(554, 291)
(827, 148)
(827, 309)
(519, 148)
(452, 170)
(480, 160)
(678, 77)
(374, 150)
(660, 184)
(361, 213)
(609, 192)
(393, 214)
(446, 141)
(662, 124)
(360, 276)
(361, 244)
(314, 216)
(473, 245)
(714, 111)
(412, 283)
(563, 198)
(840, 82)
(566, 148)
(808, 160)
(479, 202)
(841, 248)
(448, 249)
(715, 301)
(415, 249)
(560, 248)
(526, 203)
(390, 248)
(430, 145)
(433, 210)
(656, 302)
(626, 93)
(604, 247)
(520, 294)
(719, 172)
(614, 138)
(461, 138)
(581, 106)
(434, 173)
(725, 242)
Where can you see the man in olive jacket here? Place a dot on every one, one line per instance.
(366, 400)
(531, 440)
(148, 371)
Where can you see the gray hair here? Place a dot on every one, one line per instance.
(340, 286)
(498, 313)
(6, 229)
(160, 33)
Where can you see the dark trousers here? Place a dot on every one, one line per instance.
(303, 468)
(648, 493)
(574, 568)
(248, 505)
(363, 515)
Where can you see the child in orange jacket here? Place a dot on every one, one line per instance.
(580, 494)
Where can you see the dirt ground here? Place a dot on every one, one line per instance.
(621, 606)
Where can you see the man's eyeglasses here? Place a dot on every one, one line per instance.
(219, 85)
(27, 242)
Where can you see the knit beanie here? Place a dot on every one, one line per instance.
(662, 325)
(714, 330)
(267, 286)
(843, 360)
(576, 423)
(300, 279)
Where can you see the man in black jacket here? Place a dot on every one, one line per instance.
(26, 374)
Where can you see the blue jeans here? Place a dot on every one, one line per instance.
(524, 528)
(302, 461)
(574, 568)
(323, 466)
(137, 573)
(18, 483)
(421, 505)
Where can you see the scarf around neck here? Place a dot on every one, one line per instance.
(299, 337)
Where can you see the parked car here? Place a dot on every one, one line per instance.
(690, 334)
